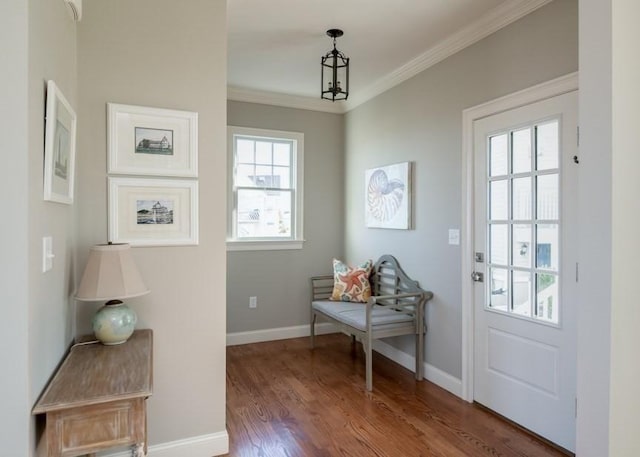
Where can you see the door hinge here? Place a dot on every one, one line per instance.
(576, 408)
(577, 272)
(577, 135)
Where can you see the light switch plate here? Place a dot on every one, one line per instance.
(454, 236)
(47, 253)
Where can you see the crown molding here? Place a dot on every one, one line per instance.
(278, 99)
(499, 17)
(485, 25)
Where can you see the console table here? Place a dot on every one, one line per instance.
(96, 399)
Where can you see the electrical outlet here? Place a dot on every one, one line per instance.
(253, 302)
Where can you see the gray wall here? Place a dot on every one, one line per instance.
(38, 43)
(180, 63)
(52, 55)
(280, 278)
(14, 343)
(595, 218)
(421, 121)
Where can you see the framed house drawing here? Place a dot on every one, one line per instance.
(153, 211)
(152, 141)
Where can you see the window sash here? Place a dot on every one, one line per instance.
(292, 161)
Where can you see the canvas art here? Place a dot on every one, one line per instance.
(388, 196)
(60, 145)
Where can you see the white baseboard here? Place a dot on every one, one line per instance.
(272, 334)
(431, 373)
(197, 446)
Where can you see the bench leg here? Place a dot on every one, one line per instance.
(419, 355)
(313, 329)
(368, 363)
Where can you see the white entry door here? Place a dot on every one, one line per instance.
(525, 245)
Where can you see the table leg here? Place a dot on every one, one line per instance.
(138, 450)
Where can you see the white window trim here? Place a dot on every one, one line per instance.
(298, 162)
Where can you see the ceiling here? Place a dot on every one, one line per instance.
(274, 46)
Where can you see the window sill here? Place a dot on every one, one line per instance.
(233, 245)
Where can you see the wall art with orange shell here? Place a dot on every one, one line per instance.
(388, 196)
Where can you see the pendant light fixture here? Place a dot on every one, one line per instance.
(334, 82)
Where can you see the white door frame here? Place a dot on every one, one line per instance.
(524, 97)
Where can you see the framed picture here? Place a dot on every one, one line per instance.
(59, 147)
(153, 212)
(152, 141)
(388, 196)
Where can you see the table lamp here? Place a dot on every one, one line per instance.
(111, 275)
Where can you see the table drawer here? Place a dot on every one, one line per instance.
(88, 429)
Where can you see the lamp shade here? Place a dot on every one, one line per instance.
(110, 274)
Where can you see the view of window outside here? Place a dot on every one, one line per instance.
(524, 222)
(263, 183)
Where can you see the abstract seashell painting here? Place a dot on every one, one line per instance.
(388, 196)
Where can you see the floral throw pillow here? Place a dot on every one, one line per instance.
(351, 284)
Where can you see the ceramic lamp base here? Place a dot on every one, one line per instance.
(114, 323)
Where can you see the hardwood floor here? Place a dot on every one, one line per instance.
(283, 399)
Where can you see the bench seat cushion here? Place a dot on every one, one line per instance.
(354, 314)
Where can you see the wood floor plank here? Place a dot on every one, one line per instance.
(284, 399)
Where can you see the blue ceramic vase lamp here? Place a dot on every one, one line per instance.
(111, 275)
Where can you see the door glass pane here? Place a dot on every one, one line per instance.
(547, 146)
(547, 246)
(547, 297)
(264, 213)
(499, 239)
(523, 226)
(498, 288)
(521, 198)
(521, 291)
(521, 248)
(547, 197)
(521, 146)
(498, 148)
(498, 196)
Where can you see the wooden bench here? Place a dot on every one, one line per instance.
(395, 308)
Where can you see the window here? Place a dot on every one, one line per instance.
(524, 221)
(265, 189)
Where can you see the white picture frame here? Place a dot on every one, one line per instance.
(151, 141)
(388, 196)
(153, 212)
(59, 147)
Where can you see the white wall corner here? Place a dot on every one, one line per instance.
(197, 446)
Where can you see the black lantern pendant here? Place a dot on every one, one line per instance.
(335, 72)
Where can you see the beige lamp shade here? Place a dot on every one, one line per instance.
(110, 274)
